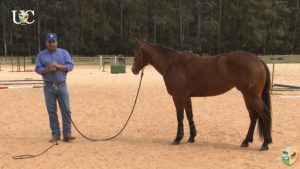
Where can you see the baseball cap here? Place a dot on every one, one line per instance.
(51, 36)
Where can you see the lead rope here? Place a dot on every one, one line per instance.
(122, 129)
(27, 156)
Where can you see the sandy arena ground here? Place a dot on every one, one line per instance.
(101, 103)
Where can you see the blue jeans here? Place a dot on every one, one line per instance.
(52, 95)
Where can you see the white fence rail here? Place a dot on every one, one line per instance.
(21, 61)
(98, 60)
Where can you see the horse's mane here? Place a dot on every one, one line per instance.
(167, 50)
(163, 48)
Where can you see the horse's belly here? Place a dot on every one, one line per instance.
(203, 90)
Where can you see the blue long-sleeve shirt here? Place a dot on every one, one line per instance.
(60, 56)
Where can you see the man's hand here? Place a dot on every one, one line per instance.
(52, 67)
(60, 67)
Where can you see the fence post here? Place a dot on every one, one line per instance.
(24, 63)
(273, 72)
(12, 63)
(100, 62)
(115, 60)
(19, 64)
(0, 63)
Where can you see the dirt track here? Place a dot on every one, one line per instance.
(100, 104)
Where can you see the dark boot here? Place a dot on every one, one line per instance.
(54, 139)
(69, 138)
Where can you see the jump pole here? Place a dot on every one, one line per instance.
(21, 87)
(115, 60)
(21, 84)
(26, 80)
(285, 89)
(287, 86)
(289, 97)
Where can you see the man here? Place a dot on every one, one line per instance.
(53, 64)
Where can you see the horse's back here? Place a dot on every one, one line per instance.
(245, 70)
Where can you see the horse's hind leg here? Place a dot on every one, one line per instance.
(256, 104)
(249, 136)
(189, 115)
(179, 104)
(253, 119)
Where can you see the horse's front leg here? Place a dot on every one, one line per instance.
(189, 115)
(179, 104)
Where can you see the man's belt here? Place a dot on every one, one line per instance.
(56, 82)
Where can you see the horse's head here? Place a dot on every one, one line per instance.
(140, 60)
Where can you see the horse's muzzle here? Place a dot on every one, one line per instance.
(134, 71)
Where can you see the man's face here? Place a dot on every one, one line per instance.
(51, 45)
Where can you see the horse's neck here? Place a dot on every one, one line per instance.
(158, 60)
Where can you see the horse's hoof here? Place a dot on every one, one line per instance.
(245, 144)
(191, 140)
(264, 148)
(175, 142)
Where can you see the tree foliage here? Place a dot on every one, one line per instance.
(89, 27)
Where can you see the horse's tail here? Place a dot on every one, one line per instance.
(265, 122)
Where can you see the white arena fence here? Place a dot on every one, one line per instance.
(113, 60)
(78, 60)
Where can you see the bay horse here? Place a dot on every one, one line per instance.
(189, 75)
